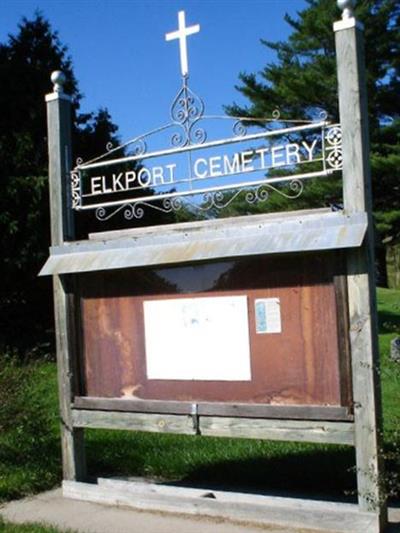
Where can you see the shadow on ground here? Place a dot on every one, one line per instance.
(315, 476)
(317, 473)
(388, 322)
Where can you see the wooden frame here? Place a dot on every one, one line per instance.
(218, 426)
(359, 311)
(363, 324)
(286, 513)
(290, 412)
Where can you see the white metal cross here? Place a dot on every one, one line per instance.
(182, 33)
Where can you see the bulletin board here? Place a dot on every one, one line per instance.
(148, 334)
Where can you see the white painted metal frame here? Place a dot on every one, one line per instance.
(255, 187)
(322, 125)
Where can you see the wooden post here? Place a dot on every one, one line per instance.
(360, 265)
(59, 145)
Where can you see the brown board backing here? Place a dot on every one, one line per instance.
(300, 366)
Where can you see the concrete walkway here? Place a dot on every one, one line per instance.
(52, 509)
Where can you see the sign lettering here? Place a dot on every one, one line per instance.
(260, 159)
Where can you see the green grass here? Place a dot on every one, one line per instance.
(30, 450)
(7, 527)
(389, 327)
(29, 436)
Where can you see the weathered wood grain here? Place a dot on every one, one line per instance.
(60, 157)
(342, 307)
(155, 423)
(134, 406)
(59, 146)
(291, 412)
(360, 265)
(292, 430)
(299, 412)
(328, 231)
(286, 430)
(245, 508)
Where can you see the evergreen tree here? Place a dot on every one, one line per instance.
(26, 62)
(302, 82)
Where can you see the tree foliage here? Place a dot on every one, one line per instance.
(302, 82)
(26, 62)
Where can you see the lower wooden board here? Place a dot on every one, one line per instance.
(253, 428)
(133, 421)
(293, 412)
(234, 506)
(286, 430)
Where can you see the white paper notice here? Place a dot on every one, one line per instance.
(268, 315)
(197, 339)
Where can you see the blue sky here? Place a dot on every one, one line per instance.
(122, 61)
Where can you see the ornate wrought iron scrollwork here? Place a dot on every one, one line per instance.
(258, 195)
(333, 147)
(135, 210)
(217, 200)
(239, 129)
(76, 190)
(101, 213)
(171, 204)
(130, 211)
(139, 147)
(323, 115)
(186, 110)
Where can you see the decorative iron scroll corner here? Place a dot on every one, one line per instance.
(333, 147)
(76, 190)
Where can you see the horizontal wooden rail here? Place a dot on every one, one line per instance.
(269, 429)
(294, 412)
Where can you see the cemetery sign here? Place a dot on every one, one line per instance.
(259, 326)
(96, 184)
(200, 173)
